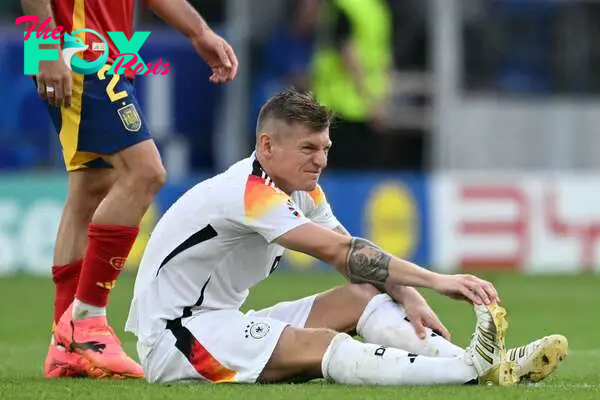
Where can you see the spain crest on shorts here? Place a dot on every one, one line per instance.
(130, 118)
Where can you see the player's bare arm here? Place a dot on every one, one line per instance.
(363, 262)
(397, 292)
(39, 8)
(54, 77)
(217, 53)
(420, 314)
(342, 231)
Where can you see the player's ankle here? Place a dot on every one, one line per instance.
(65, 278)
(83, 310)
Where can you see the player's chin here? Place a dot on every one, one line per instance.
(309, 185)
(308, 181)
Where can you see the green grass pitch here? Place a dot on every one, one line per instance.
(537, 305)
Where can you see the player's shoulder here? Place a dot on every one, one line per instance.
(260, 192)
(314, 198)
(317, 195)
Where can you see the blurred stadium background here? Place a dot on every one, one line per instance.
(482, 157)
(485, 153)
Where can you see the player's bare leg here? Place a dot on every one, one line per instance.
(86, 189)
(111, 235)
(141, 174)
(349, 301)
(312, 353)
(379, 320)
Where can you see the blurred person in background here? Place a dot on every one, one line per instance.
(295, 37)
(351, 75)
(114, 171)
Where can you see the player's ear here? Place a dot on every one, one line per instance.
(265, 144)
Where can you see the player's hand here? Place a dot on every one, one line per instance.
(421, 315)
(467, 287)
(54, 83)
(218, 54)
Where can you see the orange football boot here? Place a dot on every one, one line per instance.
(94, 340)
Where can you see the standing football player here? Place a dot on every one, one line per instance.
(114, 171)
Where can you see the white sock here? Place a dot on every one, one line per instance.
(351, 362)
(384, 322)
(83, 310)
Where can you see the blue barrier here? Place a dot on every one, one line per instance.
(392, 210)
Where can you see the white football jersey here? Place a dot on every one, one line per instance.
(216, 242)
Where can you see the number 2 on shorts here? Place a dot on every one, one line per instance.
(110, 88)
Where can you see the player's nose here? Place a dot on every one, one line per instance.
(320, 160)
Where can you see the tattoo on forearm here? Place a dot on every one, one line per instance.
(367, 263)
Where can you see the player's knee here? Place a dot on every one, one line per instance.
(157, 177)
(150, 177)
(359, 296)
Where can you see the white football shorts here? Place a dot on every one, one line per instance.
(222, 345)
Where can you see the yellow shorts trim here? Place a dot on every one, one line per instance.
(71, 117)
(69, 130)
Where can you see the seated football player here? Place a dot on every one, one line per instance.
(228, 233)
